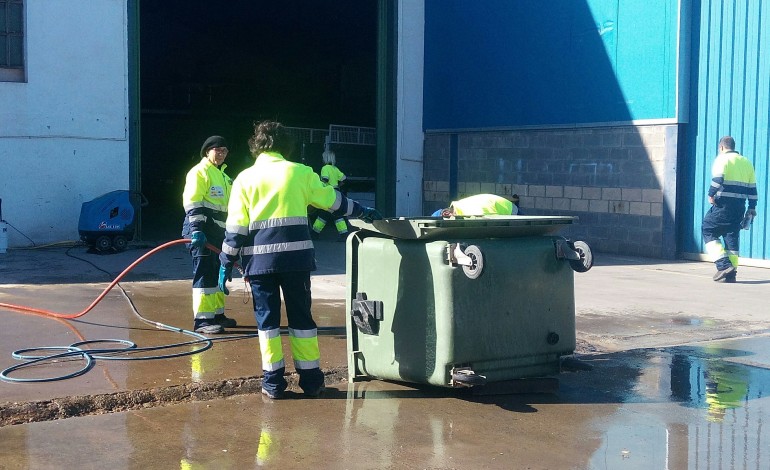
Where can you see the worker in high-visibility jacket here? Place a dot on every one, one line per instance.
(334, 177)
(205, 196)
(267, 228)
(480, 204)
(733, 183)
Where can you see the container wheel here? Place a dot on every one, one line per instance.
(120, 243)
(468, 378)
(477, 267)
(586, 260)
(103, 243)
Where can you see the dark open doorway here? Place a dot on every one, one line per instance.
(215, 68)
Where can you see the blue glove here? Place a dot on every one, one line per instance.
(225, 274)
(198, 239)
(370, 214)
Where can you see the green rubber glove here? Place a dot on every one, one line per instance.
(198, 239)
(225, 274)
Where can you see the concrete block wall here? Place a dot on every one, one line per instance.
(614, 179)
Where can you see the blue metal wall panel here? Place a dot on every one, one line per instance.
(509, 63)
(730, 94)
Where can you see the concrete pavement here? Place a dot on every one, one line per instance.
(622, 303)
(646, 326)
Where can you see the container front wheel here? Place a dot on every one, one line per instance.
(586, 260)
(477, 262)
(468, 378)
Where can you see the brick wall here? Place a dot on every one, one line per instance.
(615, 179)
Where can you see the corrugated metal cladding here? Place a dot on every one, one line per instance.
(505, 63)
(730, 95)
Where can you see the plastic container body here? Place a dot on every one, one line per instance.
(513, 320)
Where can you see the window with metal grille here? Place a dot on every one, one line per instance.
(11, 40)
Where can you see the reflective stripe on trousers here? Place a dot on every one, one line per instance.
(319, 224)
(342, 225)
(266, 292)
(271, 350)
(722, 224)
(207, 299)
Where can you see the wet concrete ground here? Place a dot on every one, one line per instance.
(681, 407)
(662, 393)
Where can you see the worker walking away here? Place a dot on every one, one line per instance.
(335, 178)
(206, 193)
(267, 227)
(480, 204)
(733, 182)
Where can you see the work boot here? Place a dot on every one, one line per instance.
(272, 395)
(721, 274)
(207, 326)
(226, 322)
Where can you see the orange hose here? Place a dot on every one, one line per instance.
(112, 284)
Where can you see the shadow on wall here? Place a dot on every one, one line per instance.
(526, 109)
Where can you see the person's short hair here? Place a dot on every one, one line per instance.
(329, 157)
(727, 142)
(271, 136)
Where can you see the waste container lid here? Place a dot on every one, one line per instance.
(488, 226)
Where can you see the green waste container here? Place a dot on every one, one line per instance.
(461, 301)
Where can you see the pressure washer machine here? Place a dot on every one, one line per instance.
(108, 222)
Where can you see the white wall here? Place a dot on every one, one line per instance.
(409, 140)
(63, 133)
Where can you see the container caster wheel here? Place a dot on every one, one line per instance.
(103, 243)
(477, 262)
(468, 378)
(120, 243)
(586, 260)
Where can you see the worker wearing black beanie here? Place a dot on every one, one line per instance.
(215, 141)
(205, 197)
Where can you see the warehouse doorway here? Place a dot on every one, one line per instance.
(215, 68)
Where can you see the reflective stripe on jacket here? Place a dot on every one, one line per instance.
(267, 215)
(733, 180)
(205, 197)
(484, 204)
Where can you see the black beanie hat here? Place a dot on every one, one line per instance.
(212, 142)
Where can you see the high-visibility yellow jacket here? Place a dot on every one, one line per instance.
(733, 180)
(267, 215)
(332, 175)
(205, 197)
(484, 204)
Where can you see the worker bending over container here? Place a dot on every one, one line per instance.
(481, 204)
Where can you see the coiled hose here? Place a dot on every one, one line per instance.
(89, 355)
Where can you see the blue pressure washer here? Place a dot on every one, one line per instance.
(108, 222)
